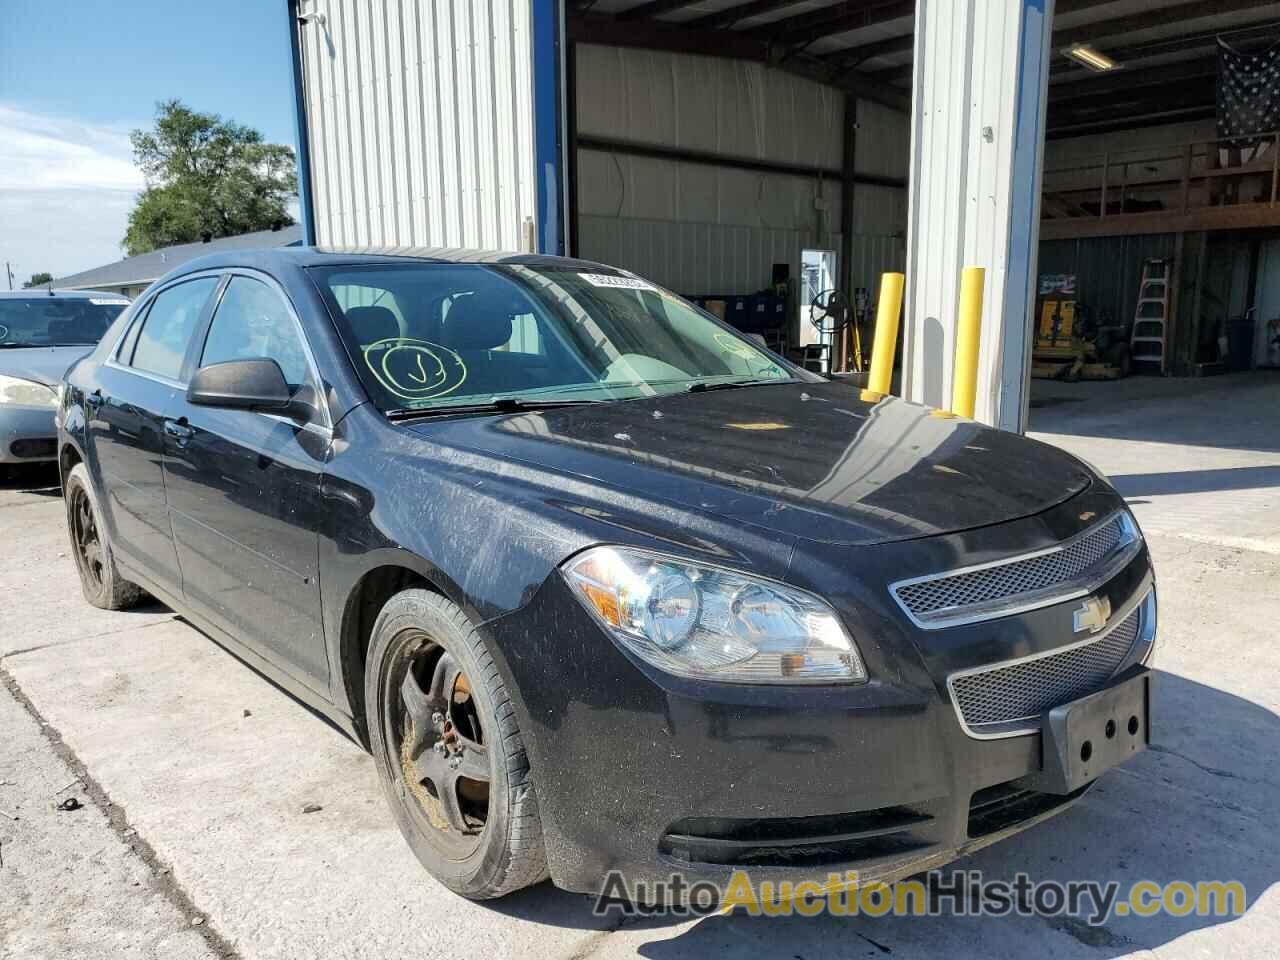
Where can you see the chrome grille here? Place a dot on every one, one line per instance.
(1023, 690)
(987, 591)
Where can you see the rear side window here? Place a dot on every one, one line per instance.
(252, 322)
(169, 325)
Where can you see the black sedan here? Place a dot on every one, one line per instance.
(602, 584)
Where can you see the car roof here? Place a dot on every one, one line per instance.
(30, 292)
(307, 257)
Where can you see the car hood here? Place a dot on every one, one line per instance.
(42, 364)
(822, 461)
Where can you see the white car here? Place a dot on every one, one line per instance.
(42, 332)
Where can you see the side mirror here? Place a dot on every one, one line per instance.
(241, 385)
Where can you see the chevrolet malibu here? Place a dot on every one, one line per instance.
(42, 332)
(600, 583)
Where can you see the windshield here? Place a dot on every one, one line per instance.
(56, 321)
(431, 336)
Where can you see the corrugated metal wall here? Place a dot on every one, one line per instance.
(1107, 269)
(420, 121)
(705, 229)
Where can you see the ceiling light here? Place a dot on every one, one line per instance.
(1084, 54)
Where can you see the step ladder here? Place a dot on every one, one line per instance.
(1149, 341)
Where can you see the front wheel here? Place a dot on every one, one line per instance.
(448, 749)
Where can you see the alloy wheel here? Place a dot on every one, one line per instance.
(84, 529)
(442, 750)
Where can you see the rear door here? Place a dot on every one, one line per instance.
(244, 488)
(139, 384)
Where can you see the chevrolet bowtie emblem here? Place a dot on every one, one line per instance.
(1092, 615)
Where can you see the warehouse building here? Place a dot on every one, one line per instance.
(733, 150)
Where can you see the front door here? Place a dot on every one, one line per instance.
(244, 488)
(125, 430)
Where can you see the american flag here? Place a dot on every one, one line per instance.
(1248, 94)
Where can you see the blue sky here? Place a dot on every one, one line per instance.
(77, 75)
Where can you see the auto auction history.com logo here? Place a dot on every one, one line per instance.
(960, 893)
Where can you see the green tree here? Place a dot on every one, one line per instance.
(38, 280)
(206, 177)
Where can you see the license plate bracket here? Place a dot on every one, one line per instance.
(1081, 740)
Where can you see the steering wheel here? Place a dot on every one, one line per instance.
(829, 311)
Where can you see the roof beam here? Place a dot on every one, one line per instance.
(1148, 19)
(1256, 34)
(743, 11)
(1112, 110)
(1116, 26)
(654, 8)
(1083, 33)
(841, 18)
(1122, 81)
(734, 44)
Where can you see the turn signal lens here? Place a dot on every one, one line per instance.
(705, 622)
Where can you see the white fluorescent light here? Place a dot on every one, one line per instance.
(1084, 54)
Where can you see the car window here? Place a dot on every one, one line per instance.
(56, 321)
(125, 350)
(467, 333)
(169, 325)
(253, 322)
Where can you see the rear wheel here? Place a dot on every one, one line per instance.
(100, 581)
(448, 749)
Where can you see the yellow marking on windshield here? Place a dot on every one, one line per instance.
(415, 369)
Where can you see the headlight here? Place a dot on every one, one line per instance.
(28, 393)
(699, 621)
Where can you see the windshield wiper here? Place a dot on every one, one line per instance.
(496, 405)
(701, 386)
(13, 344)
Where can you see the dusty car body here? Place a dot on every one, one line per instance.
(937, 616)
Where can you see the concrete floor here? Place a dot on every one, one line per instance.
(193, 771)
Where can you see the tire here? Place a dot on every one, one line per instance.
(100, 580)
(418, 640)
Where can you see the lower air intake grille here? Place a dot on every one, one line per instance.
(991, 699)
(30, 449)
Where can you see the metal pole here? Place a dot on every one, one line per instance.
(1186, 178)
(886, 342)
(1275, 166)
(964, 380)
(8, 273)
(1106, 164)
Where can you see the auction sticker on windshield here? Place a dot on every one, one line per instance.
(620, 283)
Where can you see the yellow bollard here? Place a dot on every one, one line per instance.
(964, 380)
(886, 341)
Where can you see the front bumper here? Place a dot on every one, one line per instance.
(649, 775)
(27, 434)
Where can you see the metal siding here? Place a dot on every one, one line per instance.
(980, 64)
(1108, 269)
(420, 121)
(702, 229)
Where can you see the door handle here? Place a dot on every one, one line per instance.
(178, 431)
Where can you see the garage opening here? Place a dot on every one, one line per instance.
(707, 144)
(723, 151)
